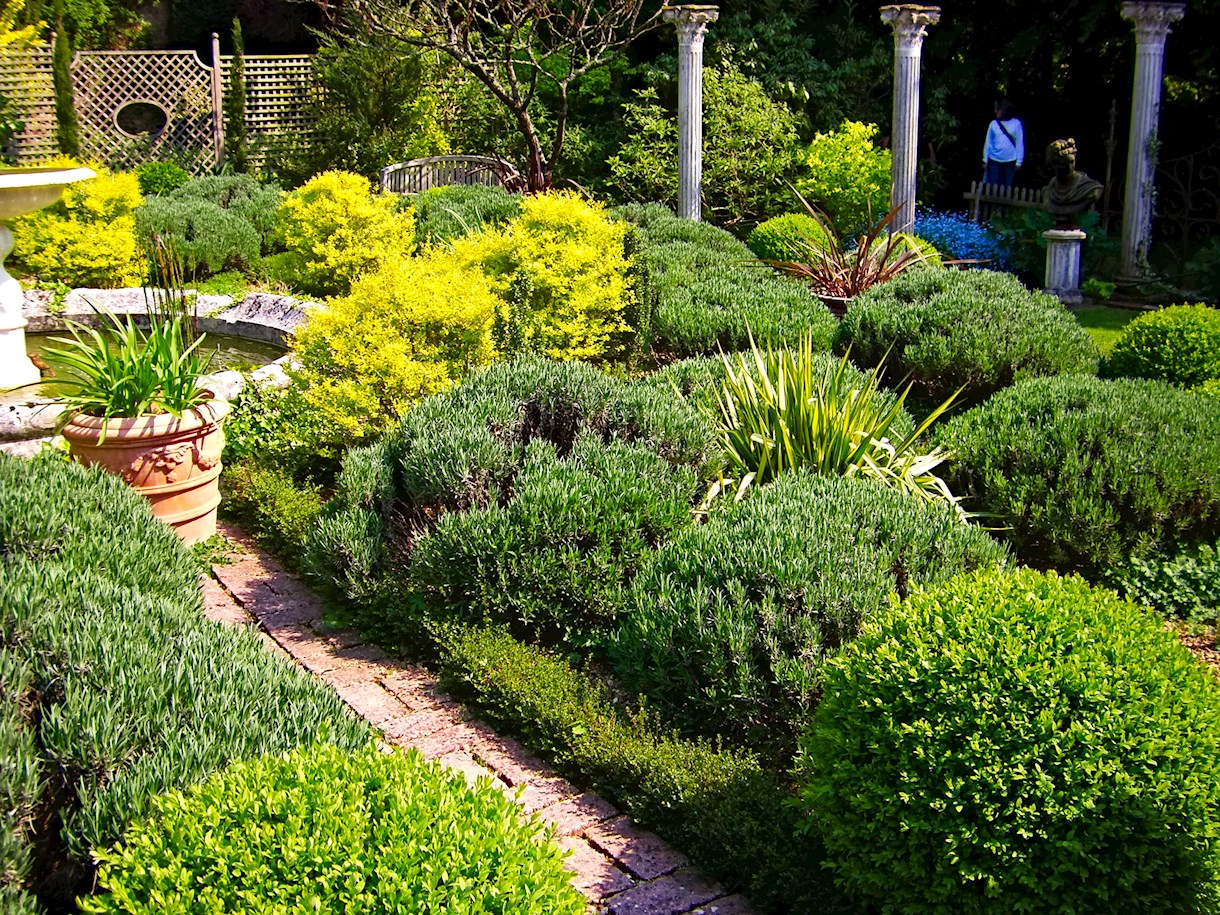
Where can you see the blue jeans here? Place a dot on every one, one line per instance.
(1001, 173)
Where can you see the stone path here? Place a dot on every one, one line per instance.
(620, 869)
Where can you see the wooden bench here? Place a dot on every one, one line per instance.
(985, 198)
(441, 171)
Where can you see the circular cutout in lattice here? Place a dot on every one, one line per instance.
(141, 118)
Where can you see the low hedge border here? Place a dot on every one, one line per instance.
(732, 818)
(130, 690)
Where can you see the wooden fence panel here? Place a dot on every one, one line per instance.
(26, 81)
(281, 103)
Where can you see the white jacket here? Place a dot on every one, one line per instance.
(999, 148)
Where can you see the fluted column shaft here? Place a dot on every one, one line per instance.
(1152, 22)
(910, 24)
(692, 23)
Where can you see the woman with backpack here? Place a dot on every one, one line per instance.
(1004, 151)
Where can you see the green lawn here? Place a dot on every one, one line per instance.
(1105, 324)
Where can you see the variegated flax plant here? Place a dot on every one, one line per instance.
(782, 410)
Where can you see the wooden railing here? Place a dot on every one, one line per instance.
(985, 198)
(441, 171)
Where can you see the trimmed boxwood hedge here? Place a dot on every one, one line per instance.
(131, 691)
(710, 292)
(325, 830)
(720, 806)
(730, 625)
(1180, 344)
(975, 329)
(1019, 743)
(1083, 474)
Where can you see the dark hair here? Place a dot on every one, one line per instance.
(1004, 110)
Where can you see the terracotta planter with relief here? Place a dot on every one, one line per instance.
(172, 461)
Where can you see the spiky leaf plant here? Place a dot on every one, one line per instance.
(781, 410)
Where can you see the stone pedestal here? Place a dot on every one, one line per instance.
(16, 370)
(692, 22)
(910, 24)
(1152, 22)
(1063, 247)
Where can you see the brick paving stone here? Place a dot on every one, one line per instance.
(371, 702)
(642, 853)
(443, 742)
(411, 728)
(463, 762)
(361, 664)
(515, 764)
(578, 813)
(680, 892)
(729, 905)
(272, 609)
(594, 875)
(409, 705)
(416, 688)
(544, 792)
(243, 579)
(219, 606)
(338, 637)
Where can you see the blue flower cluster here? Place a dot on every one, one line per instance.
(955, 236)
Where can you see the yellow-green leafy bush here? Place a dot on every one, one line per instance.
(324, 830)
(1019, 742)
(563, 274)
(406, 331)
(787, 238)
(337, 230)
(88, 238)
(1209, 389)
(1180, 344)
(848, 177)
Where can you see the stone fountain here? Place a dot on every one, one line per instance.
(23, 190)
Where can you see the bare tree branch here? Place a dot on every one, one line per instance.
(514, 47)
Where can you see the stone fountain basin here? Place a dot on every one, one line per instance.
(23, 190)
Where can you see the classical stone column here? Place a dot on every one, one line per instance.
(910, 23)
(1152, 22)
(692, 22)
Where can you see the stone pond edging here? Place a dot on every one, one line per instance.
(262, 316)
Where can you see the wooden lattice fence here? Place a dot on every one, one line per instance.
(281, 101)
(280, 105)
(177, 83)
(27, 84)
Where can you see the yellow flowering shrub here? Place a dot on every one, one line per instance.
(337, 229)
(848, 176)
(88, 237)
(562, 273)
(406, 331)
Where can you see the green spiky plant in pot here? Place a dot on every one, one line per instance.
(136, 405)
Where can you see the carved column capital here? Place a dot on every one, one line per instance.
(910, 22)
(1152, 21)
(692, 21)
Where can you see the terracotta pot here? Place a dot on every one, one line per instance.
(174, 462)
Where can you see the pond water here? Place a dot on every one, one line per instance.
(229, 352)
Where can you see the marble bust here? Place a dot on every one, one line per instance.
(1070, 192)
